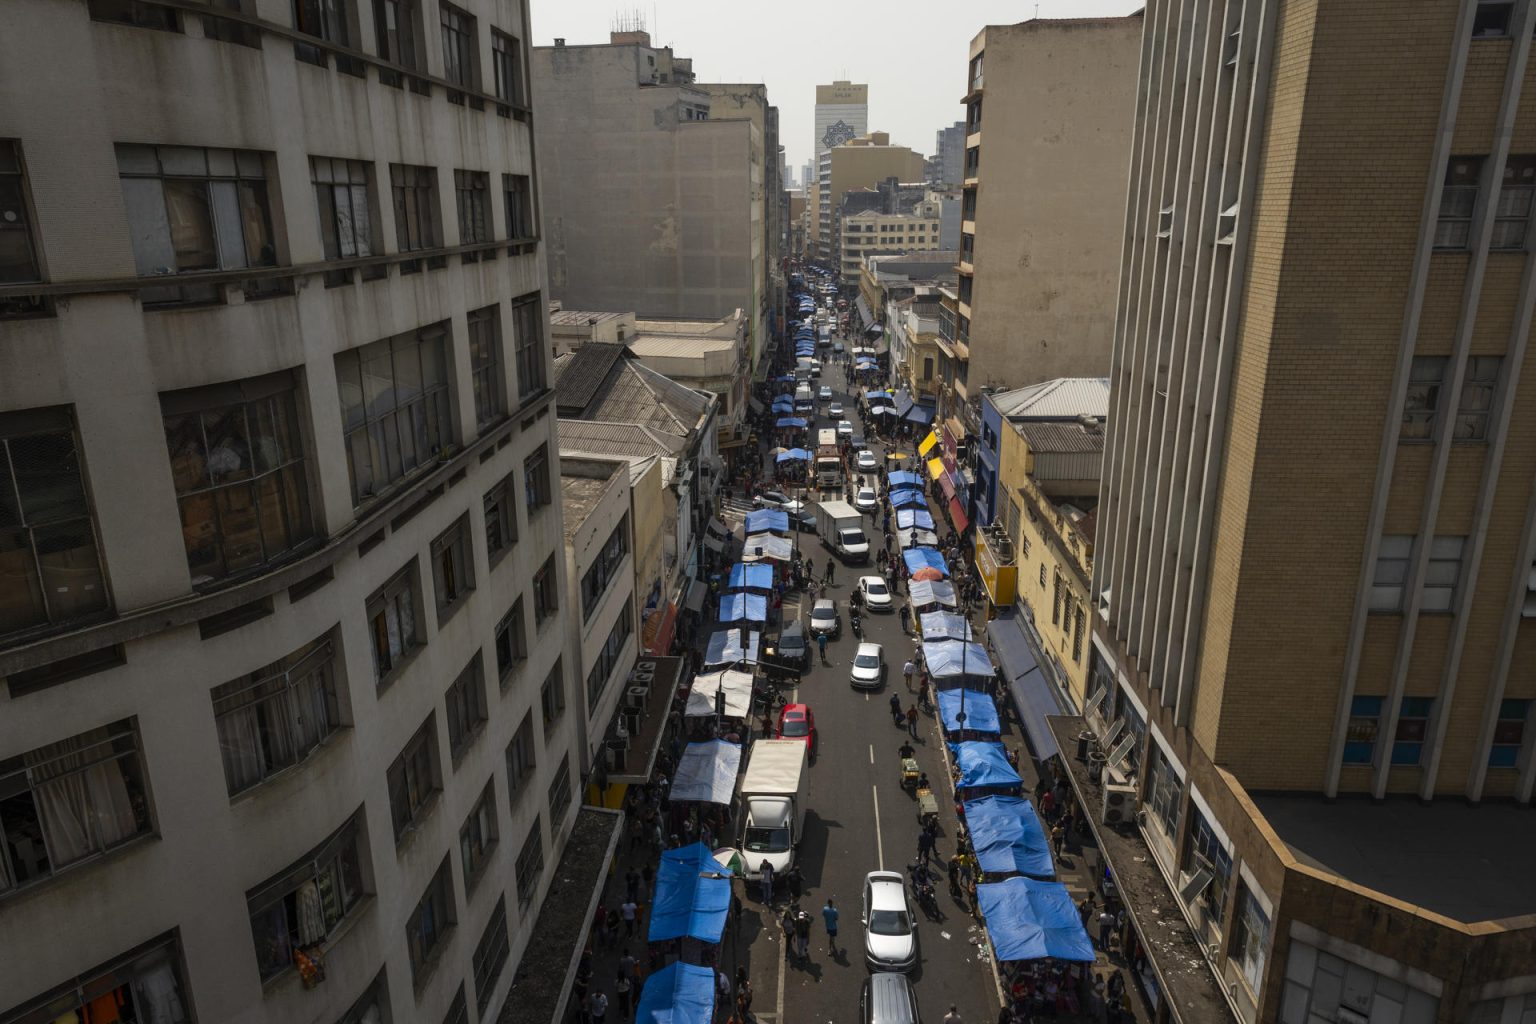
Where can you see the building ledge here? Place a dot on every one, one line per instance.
(1184, 976)
(646, 728)
(542, 983)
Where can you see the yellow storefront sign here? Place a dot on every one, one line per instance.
(1001, 581)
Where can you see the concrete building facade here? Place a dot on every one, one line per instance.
(861, 163)
(949, 155)
(1313, 599)
(651, 201)
(286, 590)
(873, 233)
(842, 113)
(1041, 216)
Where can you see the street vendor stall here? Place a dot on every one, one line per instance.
(945, 626)
(984, 765)
(924, 558)
(692, 898)
(753, 576)
(980, 712)
(703, 699)
(1033, 920)
(759, 546)
(957, 663)
(913, 538)
(913, 518)
(931, 595)
(767, 520)
(678, 993)
(706, 773)
(727, 647)
(743, 607)
(1009, 838)
(907, 496)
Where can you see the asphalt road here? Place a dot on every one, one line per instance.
(861, 820)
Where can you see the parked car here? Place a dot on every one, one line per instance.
(887, 998)
(844, 429)
(866, 501)
(825, 620)
(825, 394)
(868, 671)
(797, 723)
(877, 596)
(792, 645)
(867, 462)
(890, 928)
(777, 499)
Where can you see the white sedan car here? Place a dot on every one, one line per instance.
(867, 461)
(866, 501)
(844, 428)
(777, 499)
(825, 394)
(890, 928)
(877, 596)
(868, 670)
(835, 410)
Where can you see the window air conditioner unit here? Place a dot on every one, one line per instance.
(639, 677)
(1119, 804)
(646, 666)
(635, 696)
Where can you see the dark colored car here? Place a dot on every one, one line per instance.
(792, 645)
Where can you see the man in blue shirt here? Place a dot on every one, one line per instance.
(829, 915)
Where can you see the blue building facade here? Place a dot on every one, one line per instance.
(987, 462)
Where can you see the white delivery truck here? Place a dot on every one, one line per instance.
(841, 527)
(771, 805)
(826, 436)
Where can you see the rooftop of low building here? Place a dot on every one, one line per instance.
(1063, 398)
(580, 317)
(1063, 437)
(602, 381)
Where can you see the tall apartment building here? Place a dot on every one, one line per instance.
(949, 154)
(1041, 216)
(653, 199)
(842, 113)
(281, 735)
(861, 163)
(872, 231)
(1315, 607)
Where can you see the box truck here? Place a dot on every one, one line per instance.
(771, 805)
(842, 529)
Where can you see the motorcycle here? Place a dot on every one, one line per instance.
(856, 624)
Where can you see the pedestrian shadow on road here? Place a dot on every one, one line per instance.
(813, 848)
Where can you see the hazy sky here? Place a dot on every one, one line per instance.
(911, 53)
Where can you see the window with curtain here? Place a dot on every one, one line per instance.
(466, 708)
(506, 63)
(414, 190)
(517, 190)
(49, 558)
(147, 978)
(458, 29)
(500, 520)
(430, 923)
(69, 800)
(414, 779)
(477, 836)
(395, 407)
(305, 902)
(528, 337)
(485, 371)
(392, 624)
(453, 568)
(277, 716)
(346, 220)
(238, 463)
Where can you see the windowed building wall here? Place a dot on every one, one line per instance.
(266, 407)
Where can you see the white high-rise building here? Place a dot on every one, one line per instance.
(842, 113)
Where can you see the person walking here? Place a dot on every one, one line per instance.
(599, 1008)
(831, 569)
(953, 1016)
(1058, 837)
(821, 646)
(925, 847)
(629, 910)
(912, 720)
(803, 934)
(787, 922)
(621, 991)
(767, 880)
(793, 879)
(906, 673)
(896, 710)
(1106, 928)
(924, 699)
(829, 917)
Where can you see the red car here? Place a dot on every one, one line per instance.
(797, 722)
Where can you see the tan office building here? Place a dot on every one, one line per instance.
(1314, 604)
(285, 733)
(1044, 195)
(860, 163)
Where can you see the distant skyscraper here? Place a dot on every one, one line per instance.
(842, 113)
(949, 152)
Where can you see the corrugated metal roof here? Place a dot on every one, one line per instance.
(580, 375)
(1067, 437)
(576, 317)
(1060, 399)
(596, 437)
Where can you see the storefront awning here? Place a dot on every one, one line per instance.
(927, 444)
(936, 469)
(922, 415)
(957, 515)
(696, 593)
(1032, 693)
(865, 316)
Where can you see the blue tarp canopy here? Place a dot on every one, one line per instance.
(750, 577)
(950, 659)
(1008, 838)
(784, 402)
(693, 895)
(678, 993)
(864, 363)
(926, 592)
(907, 518)
(903, 477)
(924, 558)
(727, 647)
(943, 626)
(922, 415)
(908, 497)
(1032, 693)
(707, 772)
(980, 711)
(743, 607)
(1030, 920)
(761, 519)
(790, 421)
(878, 396)
(785, 378)
(982, 763)
(793, 455)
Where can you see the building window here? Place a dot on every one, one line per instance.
(1515, 194)
(594, 582)
(485, 364)
(392, 624)
(458, 1010)
(490, 955)
(134, 13)
(1207, 856)
(560, 793)
(129, 980)
(506, 64)
(546, 594)
(1077, 633)
(49, 557)
(19, 262)
(1412, 725)
(304, 903)
(453, 568)
(372, 1007)
(608, 658)
(477, 837)
(536, 486)
(500, 521)
(517, 189)
(394, 407)
(1364, 726)
(346, 209)
(1442, 574)
(277, 716)
(413, 779)
(192, 209)
(1458, 200)
(1042, 574)
(466, 708)
(552, 697)
(327, 20)
(521, 760)
(415, 196)
(1164, 793)
(1391, 574)
(1477, 390)
(528, 336)
(530, 865)
(430, 923)
(1509, 734)
(237, 460)
(472, 195)
(1424, 382)
(1250, 939)
(458, 49)
(397, 26)
(511, 643)
(1493, 19)
(67, 801)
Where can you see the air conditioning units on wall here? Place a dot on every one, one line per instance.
(1119, 804)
